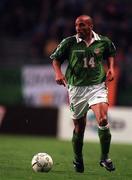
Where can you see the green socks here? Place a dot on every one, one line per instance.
(77, 143)
(105, 139)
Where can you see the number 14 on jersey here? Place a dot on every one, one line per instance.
(89, 63)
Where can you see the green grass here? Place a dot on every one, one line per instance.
(16, 153)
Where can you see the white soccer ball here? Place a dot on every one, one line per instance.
(42, 162)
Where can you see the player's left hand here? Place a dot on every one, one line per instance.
(110, 75)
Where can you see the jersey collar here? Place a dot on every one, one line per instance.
(95, 37)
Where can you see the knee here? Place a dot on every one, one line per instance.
(79, 129)
(103, 122)
(102, 119)
(79, 126)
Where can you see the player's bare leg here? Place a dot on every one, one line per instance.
(100, 111)
(77, 142)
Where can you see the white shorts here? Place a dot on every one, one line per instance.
(81, 98)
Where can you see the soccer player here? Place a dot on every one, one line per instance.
(86, 81)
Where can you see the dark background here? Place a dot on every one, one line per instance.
(31, 29)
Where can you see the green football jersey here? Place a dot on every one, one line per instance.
(85, 63)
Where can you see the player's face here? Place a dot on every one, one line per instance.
(83, 27)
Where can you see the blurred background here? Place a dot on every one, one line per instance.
(31, 102)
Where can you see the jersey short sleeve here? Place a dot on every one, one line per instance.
(111, 49)
(61, 52)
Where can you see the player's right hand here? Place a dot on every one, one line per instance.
(61, 80)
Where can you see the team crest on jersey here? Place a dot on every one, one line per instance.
(97, 51)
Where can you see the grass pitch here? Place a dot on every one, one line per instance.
(16, 153)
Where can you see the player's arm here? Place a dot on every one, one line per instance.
(59, 76)
(61, 54)
(110, 54)
(110, 72)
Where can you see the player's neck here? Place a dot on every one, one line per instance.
(89, 39)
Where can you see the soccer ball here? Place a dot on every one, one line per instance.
(42, 162)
